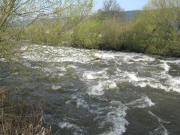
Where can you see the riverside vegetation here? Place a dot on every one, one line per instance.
(156, 29)
(17, 117)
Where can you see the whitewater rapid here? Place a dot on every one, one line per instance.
(159, 78)
(101, 72)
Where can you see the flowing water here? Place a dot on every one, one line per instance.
(88, 92)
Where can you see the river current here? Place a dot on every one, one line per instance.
(91, 92)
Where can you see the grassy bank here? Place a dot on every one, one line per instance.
(18, 118)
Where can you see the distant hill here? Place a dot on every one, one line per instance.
(127, 15)
(123, 16)
(130, 15)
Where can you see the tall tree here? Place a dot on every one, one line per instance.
(111, 8)
(13, 10)
(111, 5)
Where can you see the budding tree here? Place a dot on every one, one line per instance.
(18, 10)
(113, 9)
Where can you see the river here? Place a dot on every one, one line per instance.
(91, 92)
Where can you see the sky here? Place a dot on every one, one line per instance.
(125, 4)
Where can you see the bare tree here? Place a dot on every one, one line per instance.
(11, 10)
(31, 10)
(112, 8)
(111, 5)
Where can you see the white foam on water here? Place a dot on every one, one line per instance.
(158, 118)
(24, 48)
(80, 102)
(156, 85)
(132, 76)
(96, 90)
(111, 85)
(134, 57)
(126, 59)
(102, 85)
(165, 66)
(91, 75)
(55, 54)
(60, 74)
(72, 66)
(144, 58)
(142, 84)
(56, 87)
(99, 81)
(143, 102)
(117, 117)
(176, 61)
(161, 130)
(3, 60)
(52, 69)
(174, 84)
(153, 83)
(66, 125)
(159, 79)
(105, 55)
(27, 64)
(169, 84)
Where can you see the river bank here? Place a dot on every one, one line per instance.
(19, 117)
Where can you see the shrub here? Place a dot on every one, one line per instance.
(87, 34)
(48, 33)
(6, 49)
(114, 34)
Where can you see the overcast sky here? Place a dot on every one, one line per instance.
(125, 4)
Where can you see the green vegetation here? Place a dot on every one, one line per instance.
(86, 34)
(114, 34)
(155, 31)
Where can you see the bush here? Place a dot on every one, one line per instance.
(48, 33)
(114, 34)
(154, 32)
(87, 34)
(6, 49)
